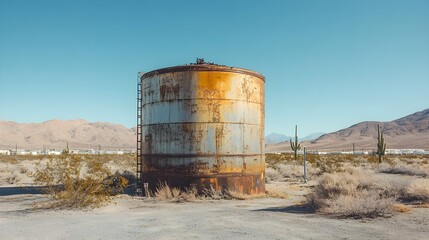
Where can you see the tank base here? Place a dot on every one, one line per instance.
(248, 184)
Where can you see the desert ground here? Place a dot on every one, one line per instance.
(127, 216)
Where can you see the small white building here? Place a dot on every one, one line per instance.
(34, 153)
(405, 151)
(22, 152)
(53, 152)
(111, 152)
(4, 152)
(88, 151)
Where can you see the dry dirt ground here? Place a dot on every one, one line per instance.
(135, 218)
(128, 217)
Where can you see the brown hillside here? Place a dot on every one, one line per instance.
(80, 134)
(411, 131)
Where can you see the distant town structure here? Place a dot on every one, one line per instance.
(56, 152)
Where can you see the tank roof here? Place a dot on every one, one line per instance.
(203, 67)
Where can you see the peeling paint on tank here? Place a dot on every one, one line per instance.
(204, 125)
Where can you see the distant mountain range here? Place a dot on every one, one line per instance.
(408, 132)
(80, 134)
(411, 131)
(275, 138)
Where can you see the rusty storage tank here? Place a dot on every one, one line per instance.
(202, 125)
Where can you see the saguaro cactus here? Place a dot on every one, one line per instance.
(381, 145)
(66, 150)
(295, 145)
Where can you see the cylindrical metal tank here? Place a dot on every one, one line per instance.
(202, 126)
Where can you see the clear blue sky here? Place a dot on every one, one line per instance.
(328, 64)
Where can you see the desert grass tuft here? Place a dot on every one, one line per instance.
(165, 192)
(350, 194)
(397, 207)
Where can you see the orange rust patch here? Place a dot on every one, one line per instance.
(217, 81)
(213, 86)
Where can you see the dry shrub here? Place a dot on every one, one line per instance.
(350, 194)
(165, 192)
(216, 194)
(274, 159)
(275, 192)
(417, 192)
(330, 166)
(10, 178)
(11, 159)
(397, 207)
(272, 174)
(290, 171)
(8, 174)
(71, 187)
(190, 195)
(397, 167)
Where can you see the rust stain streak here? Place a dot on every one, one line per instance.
(203, 126)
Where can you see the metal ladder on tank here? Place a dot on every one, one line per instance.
(139, 187)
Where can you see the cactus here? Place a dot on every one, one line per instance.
(295, 145)
(66, 150)
(381, 145)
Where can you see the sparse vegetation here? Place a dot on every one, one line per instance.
(352, 193)
(416, 192)
(166, 193)
(344, 185)
(412, 169)
(272, 174)
(350, 186)
(77, 182)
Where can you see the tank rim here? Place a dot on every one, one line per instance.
(203, 67)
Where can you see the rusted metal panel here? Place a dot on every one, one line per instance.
(203, 125)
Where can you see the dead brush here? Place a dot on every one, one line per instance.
(397, 207)
(242, 196)
(275, 192)
(165, 192)
(69, 187)
(216, 194)
(190, 194)
(11, 159)
(350, 194)
(409, 168)
(272, 175)
(417, 192)
(290, 171)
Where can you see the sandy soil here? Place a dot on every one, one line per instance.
(135, 218)
(128, 217)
